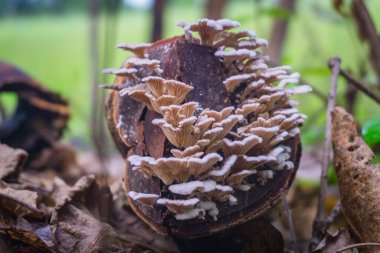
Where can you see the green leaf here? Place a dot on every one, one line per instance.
(331, 176)
(371, 131)
(376, 159)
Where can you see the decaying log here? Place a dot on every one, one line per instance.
(40, 116)
(212, 74)
(358, 178)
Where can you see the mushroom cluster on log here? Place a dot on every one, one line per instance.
(209, 134)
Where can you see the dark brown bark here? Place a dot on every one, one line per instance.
(215, 8)
(279, 31)
(158, 16)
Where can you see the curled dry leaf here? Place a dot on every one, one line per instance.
(358, 178)
(11, 161)
(16, 202)
(334, 242)
(19, 201)
(40, 116)
(213, 139)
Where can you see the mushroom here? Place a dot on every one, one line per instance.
(236, 179)
(193, 213)
(229, 39)
(179, 206)
(222, 173)
(208, 189)
(162, 93)
(209, 29)
(127, 72)
(186, 133)
(235, 55)
(154, 65)
(251, 163)
(233, 82)
(247, 109)
(136, 49)
(240, 147)
(173, 169)
(211, 208)
(144, 198)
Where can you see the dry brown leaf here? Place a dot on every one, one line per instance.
(18, 201)
(79, 221)
(11, 161)
(16, 233)
(19, 240)
(333, 242)
(125, 221)
(359, 180)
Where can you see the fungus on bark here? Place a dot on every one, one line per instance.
(210, 136)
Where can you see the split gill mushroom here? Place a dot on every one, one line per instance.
(207, 128)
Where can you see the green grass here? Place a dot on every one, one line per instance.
(55, 50)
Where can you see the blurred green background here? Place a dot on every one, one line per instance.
(51, 41)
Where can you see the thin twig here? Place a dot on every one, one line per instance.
(334, 213)
(293, 238)
(359, 245)
(319, 223)
(360, 85)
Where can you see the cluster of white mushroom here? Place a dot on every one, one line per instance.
(215, 152)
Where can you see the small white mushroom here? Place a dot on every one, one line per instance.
(154, 65)
(179, 206)
(236, 56)
(144, 198)
(240, 147)
(137, 49)
(233, 82)
(222, 173)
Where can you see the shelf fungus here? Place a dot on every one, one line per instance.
(207, 128)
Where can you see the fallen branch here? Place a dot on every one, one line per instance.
(319, 223)
(360, 85)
